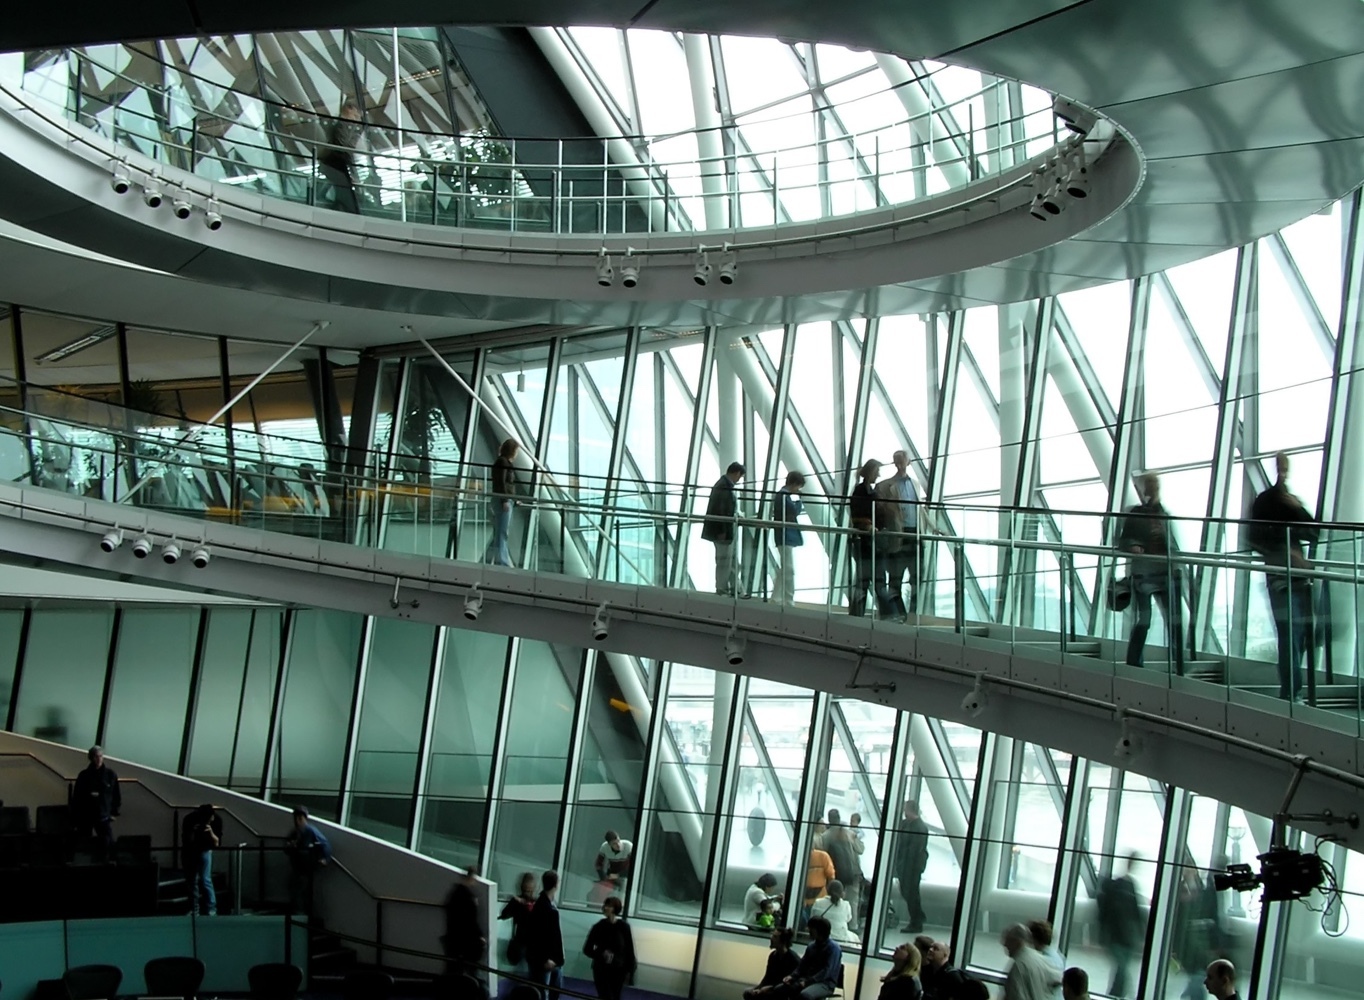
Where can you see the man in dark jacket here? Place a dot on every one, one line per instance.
(1279, 530)
(910, 861)
(96, 803)
(465, 939)
(201, 831)
(718, 528)
(1146, 537)
(1122, 928)
(544, 943)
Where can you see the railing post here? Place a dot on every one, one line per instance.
(959, 580)
(379, 932)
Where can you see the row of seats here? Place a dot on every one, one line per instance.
(181, 976)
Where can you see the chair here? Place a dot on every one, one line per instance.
(92, 982)
(14, 821)
(173, 976)
(367, 984)
(274, 981)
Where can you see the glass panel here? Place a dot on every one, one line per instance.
(319, 692)
(391, 715)
(11, 624)
(63, 679)
(154, 660)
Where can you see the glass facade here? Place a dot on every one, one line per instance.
(519, 756)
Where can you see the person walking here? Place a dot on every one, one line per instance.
(518, 910)
(787, 509)
(501, 501)
(96, 802)
(842, 848)
(1042, 935)
(336, 161)
(897, 549)
(862, 510)
(611, 947)
(545, 939)
(1030, 976)
(1120, 927)
(308, 850)
(911, 859)
(200, 833)
(1279, 530)
(1146, 538)
(719, 526)
(465, 938)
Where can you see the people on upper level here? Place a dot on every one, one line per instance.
(786, 510)
(862, 518)
(720, 527)
(1146, 539)
(96, 802)
(501, 501)
(897, 548)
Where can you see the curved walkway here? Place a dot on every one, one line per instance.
(1210, 739)
(1237, 133)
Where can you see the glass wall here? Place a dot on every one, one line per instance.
(520, 755)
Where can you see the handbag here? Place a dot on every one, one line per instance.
(1119, 593)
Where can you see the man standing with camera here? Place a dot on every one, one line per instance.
(201, 831)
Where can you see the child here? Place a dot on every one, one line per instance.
(767, 916)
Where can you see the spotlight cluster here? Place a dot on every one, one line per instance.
(629, 269)
(630, 263)
(729, 267)
(1065, 177)
(154, 195)
(143, 545)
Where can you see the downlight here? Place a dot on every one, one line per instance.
(1077, 176)
(601, 624)
(142, 546)
(200, 556)
(171, 553)
(112, 540)
(181, 207)
(473, 603)
(121, 181)
(735, 647)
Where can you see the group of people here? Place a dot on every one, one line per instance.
(1279, 530)
(537, 939)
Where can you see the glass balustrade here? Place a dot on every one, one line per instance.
(1058, 585)
(539, 185)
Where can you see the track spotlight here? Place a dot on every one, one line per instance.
(629, 270)
(212, 219)
(151, 191)
(200, 556)
(1129, 743)
(181, 207)
(112, 540)
(735, 646)
(1077, 119)
(520, 381)
(142, 546)
(729, 268)
(976, 699)
(1077, 176)
(1039, 191)
(605, 273)
(121, 181)
(601, 624)
(171, 553)
(473, 603)
(702, 273)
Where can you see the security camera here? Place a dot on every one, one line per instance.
(601, 624)
(112, 540)
(473, 604)
(200, 556)
(735, 646)
(121, 181)
(181, 208)
(171, 553)
(976, 699)
(142, 546)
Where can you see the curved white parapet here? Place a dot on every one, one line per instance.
(1234, 127)
(1190, 733)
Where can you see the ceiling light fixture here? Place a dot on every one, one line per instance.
(121, 181)
(1077, 176)
(92, 338)
(151, 191)
(213, 221)
(601, 623)
(1074, 117)
(180, 205)
(629, 269)
(605, 273)
(701, 275)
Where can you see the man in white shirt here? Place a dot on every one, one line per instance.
(897, 546)
(1030, 976)
(613, 861)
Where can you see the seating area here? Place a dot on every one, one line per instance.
(181, 976)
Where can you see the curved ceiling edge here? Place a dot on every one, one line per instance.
(1070, 708)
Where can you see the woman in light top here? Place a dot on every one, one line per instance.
(838, 911)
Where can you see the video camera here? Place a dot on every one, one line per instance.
(1285, 874)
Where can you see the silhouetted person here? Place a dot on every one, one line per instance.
(611, 947)
(96, 802)
(842, 846)
(308, 850)
(200, 833)
(911, 859)
(818, 970)
(1279, 530)
(518, 911)
(1042, 935)
(719, 526)
(336, 160)
(781, 962)
(1120, 927)
(897, 550)
(545, 939)
(1221, 980)
(500, 503)
(1075, 984)
(902, 981)
(786, 509)
(464, 940)
(862, 518)
(1146, 538)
